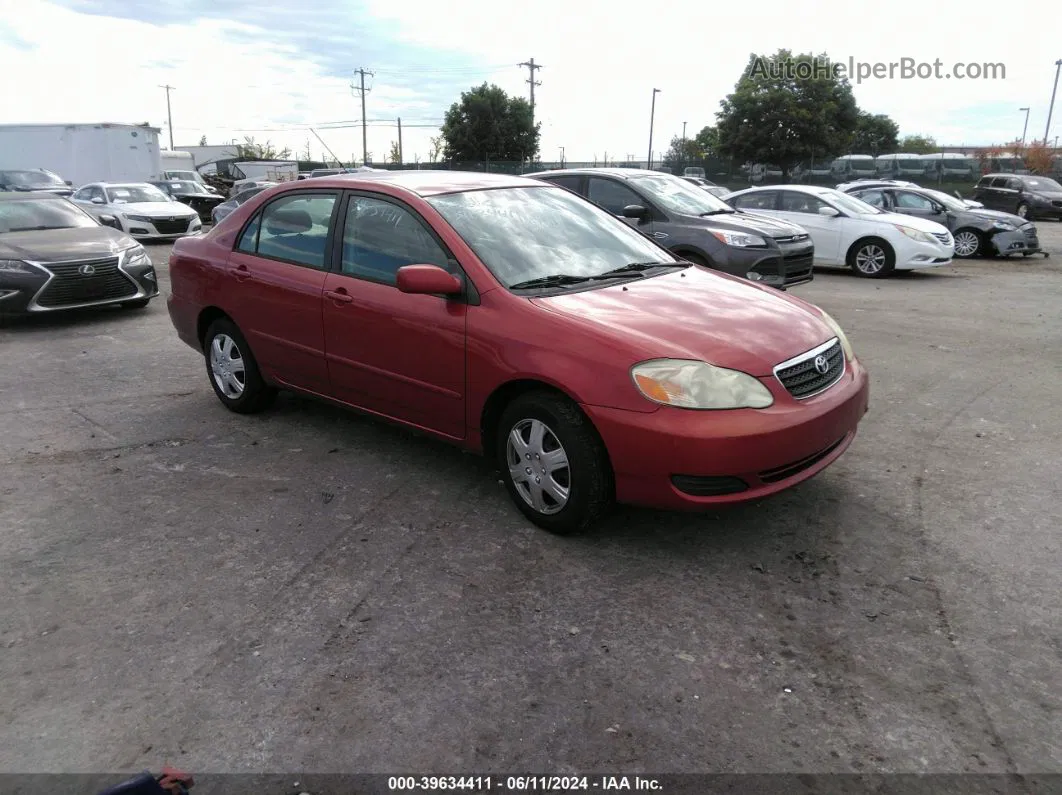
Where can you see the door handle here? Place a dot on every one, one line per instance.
(340, 296)
(241, 273)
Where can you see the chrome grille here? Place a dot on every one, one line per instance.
(69, 286)
(943, 237)
(801, 375)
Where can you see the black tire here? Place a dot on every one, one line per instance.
(588, 474)
(255, 395)
(1024, 211)
(866, 248)
(975, 239)
(140, 303)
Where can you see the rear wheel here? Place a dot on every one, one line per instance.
(967, 243)
(233, 371)
(872, 258)
(555, 466)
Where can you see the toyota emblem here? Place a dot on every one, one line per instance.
(821, 365)
(87, 270)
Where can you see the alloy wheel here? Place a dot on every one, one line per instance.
(966, 244)
(226, 364)
(870, 259)
(538, 466)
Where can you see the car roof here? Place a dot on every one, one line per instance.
(622, 173)
(814, 190)
(426, 182)
(15, 196)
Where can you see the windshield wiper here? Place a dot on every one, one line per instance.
(717, 212)
(554, 280)
(633, 268)
(36, 228)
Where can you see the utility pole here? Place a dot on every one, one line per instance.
(169, 116)
(652, 115)
(532, 66)
(364, 133)
(1025, 129)
(683, 132)
(399, 140)
(1051, 107)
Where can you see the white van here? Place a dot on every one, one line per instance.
(900, 165)
(949, 167)
(850, 167)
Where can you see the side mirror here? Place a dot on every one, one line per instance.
(109, 220)
(829, 212)
(427, 280)
(635, 211)
(96, 200)
(69, 184)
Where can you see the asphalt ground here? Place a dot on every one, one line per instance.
(310, 590)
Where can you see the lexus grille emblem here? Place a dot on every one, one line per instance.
(86, 270)
(821, 365)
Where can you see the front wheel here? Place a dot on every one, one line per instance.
(233, 371)
(554, 465)
(872, 258)
(967, 243)
(1023, 211)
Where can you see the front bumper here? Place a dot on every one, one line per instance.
(159, 229)
(912, 254)
(660, 457)
(783, 267)
(59, 286)
(1044, 209)
(1021, 241)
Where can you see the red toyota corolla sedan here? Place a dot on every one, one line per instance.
(517, 319)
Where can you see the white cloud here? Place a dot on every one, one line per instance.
(601, 63)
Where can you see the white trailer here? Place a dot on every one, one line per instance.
(83, 153)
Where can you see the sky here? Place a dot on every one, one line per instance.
(241, 69)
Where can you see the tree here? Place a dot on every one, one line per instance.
(708, 141)
(918, 144)
(1038, 158)
(682, 152)
(395, 156)
(202, 140)
(307, 153)
(875, 134)
(250, 150)
(786, 108)
(488, 124)
(436, 148)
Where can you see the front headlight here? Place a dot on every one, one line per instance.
(141, 218)
(915, 234)
(1003, 226)
(689, 384)
(137, 255)
(846, 346)
(16, 266)
(739, 239)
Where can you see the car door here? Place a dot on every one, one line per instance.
(276, 276)
(908, 202)
(763, 202)
(400, 355)
(996, 194)
(802, 209)
(84, 198)
(614, 195)
(1011, 195)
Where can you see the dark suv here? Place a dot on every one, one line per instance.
(695, 224)
(1026, 195)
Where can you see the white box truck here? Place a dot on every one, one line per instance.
(83, 153)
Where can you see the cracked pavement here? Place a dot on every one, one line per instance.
(311, 590)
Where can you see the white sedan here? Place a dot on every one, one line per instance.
(140, 209)
(847, 231)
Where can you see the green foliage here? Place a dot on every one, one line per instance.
(395, 155)
(251, 150)
(488, 124)
(202, 140)
(875, 134)
(786, 109)
(918, 144)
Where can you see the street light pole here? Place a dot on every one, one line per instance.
(1026, 128)
(652, 115)
(1051, 107)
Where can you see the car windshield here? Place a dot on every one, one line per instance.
(678, 196)
(32, 179)
(190, 176)
(849, 204)
(133, 194)
(40, 214)
(950, 202)
(186, 187)
(1041, 183)
(522, 234)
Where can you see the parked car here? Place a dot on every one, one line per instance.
(188, 176)
(696, 225)
(193, 194)
(439, 300)
(34, 179)
(227, 206)
(141, 209)
(1029, 196)
(849, 187)
(55, 256)
(706, 185)
(850, 232)
(976, 232)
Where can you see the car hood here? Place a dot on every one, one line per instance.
(748, 222)
(697, 314)
(57, 245)
(154, 209)
(993, 215)
(921, 224)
